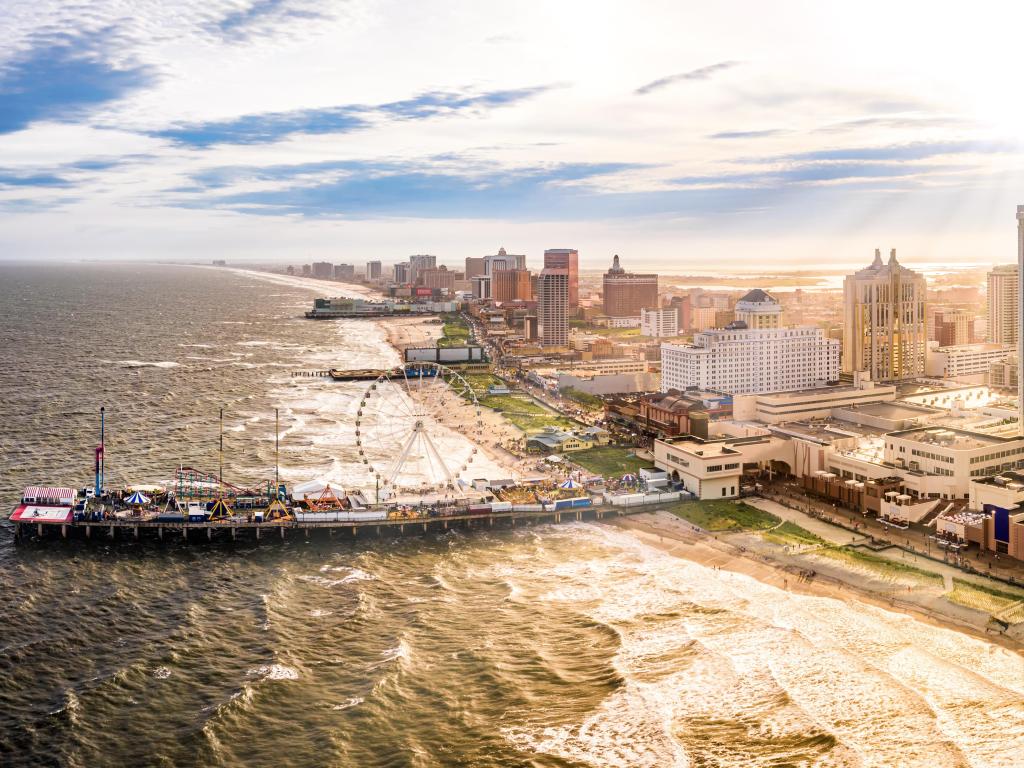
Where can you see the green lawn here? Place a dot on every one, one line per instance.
(724, 515)
(791, 534)
(608, 460)
(455, 331)
(583, 398)
(526, 413)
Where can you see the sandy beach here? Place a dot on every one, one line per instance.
(735, 552)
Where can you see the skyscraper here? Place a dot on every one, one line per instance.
(1020, 319)
(373, 270)
(503, 260)
(475, 266)
(626, 293)
(419, 263)
(568, 259)
(1003, 304)
(885, 330)
(511, 285)
(553, 308)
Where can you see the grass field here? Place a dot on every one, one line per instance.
(881, 567)
(791, 534)
(455, 331)
(583, 398)
(526, 413)
(724, 515)
(608, 460)
(983, 598)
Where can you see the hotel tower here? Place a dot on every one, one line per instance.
(885, 332)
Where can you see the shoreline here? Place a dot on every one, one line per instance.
(679, 538)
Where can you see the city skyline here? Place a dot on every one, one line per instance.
(674, 138)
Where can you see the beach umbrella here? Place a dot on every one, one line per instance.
(137, 499)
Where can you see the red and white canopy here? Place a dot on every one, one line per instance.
(42, 494)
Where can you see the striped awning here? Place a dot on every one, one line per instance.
(49, 493)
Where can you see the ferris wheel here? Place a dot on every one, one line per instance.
(401, 431)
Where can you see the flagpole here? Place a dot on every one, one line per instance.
(220, 476)
(277, 453)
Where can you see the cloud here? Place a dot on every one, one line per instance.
(703, 73)
(362, 189)
(918, 150)
(272, 126)
(813, 173)
(9, 179)
(62, 79)
(265, 127)
(447, 102)
(261, 16)
(746, 134)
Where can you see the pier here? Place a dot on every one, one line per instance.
(128, 529)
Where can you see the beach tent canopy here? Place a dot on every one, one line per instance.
(137, 499)
(628, 478)
(569, 483)
(553, 459)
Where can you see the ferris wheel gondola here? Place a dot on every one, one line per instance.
(401, 432)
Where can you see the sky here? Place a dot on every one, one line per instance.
(684, 136)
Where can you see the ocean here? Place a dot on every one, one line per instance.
(570, 645)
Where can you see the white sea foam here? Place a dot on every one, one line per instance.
(161, 673)
(722, 666)
(274, 672)
(146, 364)
(355, 701)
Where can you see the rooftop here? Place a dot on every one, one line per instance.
(946, 437)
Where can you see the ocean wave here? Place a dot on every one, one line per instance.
(355, 701)
(146, 363)
(274, 672)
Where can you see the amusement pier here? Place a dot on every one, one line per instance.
(419, 483)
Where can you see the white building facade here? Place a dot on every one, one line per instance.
(743, 361)
(659, 322)
(1003, 304)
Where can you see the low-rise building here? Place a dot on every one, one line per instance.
(964, 360)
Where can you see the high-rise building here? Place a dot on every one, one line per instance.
(401, 273)
(1003, 304)
(885, 330)
(475, 266)
(323, 270)
(568, 259)
(744, 362)
(503, 261)
(344, 272)
(951, 327)
(758, 310)
(373, 270)
(511, 285)
(659, 322)
(626, 293)
(418, 263)
(437, 277)
(1020, 319)
(683, 306)
(553, 308)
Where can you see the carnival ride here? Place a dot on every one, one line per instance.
(401, 435)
